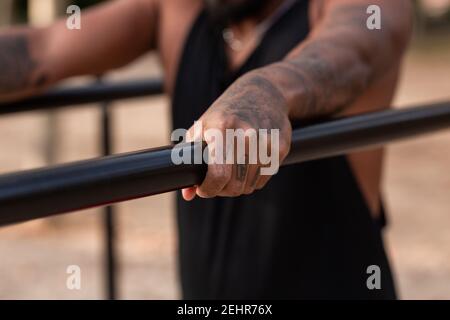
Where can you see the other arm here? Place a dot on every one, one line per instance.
(112, 34)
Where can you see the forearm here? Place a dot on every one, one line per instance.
(112, 35)
(340, 60)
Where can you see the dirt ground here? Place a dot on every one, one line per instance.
(34, 256)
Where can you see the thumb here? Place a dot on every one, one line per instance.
(189, 193)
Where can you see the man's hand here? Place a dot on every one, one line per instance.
(252, 102)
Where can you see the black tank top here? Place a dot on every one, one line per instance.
(308, 234)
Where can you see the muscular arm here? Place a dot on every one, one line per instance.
(112, 35)
(341, 58)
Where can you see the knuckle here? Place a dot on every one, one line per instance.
(219, 174)
(284, 149)
(249, 191)
(228, 122)
(251, 133)
(204, 193)
(233, 191)
(284, 146)
(236, 193)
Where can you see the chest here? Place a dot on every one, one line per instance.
(176, 21)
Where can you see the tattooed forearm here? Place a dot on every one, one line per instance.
(328, 82)
(338, 62)
(16, 63)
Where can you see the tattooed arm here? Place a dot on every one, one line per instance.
(32, 59)
(342, 58)
(339, 62)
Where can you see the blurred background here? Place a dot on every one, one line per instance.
(34, 256)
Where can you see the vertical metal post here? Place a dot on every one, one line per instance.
(109, 214)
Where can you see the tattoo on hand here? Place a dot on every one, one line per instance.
(259, 107)
(255, 178)
(241, 172)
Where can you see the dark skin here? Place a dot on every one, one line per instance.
(341, 69)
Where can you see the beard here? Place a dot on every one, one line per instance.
(224, 12)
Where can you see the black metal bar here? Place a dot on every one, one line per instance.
(44, 192)
(91, 183)
(97, 92)
(94, 93)
(365, 131)
(109, 221)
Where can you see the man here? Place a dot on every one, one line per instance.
(312, 230)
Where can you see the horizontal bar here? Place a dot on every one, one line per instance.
(45, 192)
(94, 93)
(366, 131)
